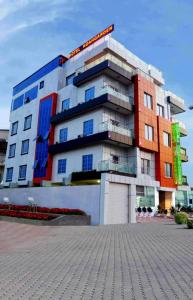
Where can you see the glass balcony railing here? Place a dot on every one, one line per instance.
(115, 126)
(108, 165)
(114, 92)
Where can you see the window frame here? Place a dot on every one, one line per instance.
(69, 77)
(87, 162)
(65, 100)
(6, 179)
(40, 85)
(11, 156)
(148, 101)
(22, 178)
(166, 164)
(90, 97)
(88, 127)
(160, 108)
(66, 133)
(22, 143)
(168, 135)
(145, 166)
(24, 128)
(59, 171)
(147, 133)
(16, 122)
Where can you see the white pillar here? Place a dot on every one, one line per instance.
(156, 198)
(104, 193)
(173, 199)
(132, 203)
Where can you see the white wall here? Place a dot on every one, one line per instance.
(31, 108)
(74, 161)
(75, 126)
(85, 197)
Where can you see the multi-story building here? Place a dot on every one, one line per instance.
(3, 147)
(99, 110)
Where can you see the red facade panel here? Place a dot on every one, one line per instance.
(165, 154)
(143, 115)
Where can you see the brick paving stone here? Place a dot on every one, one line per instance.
(148, 261)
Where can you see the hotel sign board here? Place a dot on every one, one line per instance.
(92, 41)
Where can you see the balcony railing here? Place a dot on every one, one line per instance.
(108, 165)
(115, 126)
(114, 92)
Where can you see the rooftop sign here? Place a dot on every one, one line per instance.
(92, 40)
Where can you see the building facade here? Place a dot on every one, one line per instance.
(100, 110)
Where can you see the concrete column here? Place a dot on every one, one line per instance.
(173, 198)
(132, 203)
(156, 198)
(104, 193)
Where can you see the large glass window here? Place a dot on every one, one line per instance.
(167, 139)
(12, 150)
(168, 170)
(87, 162)
(145, 196)
(27, 122)
(148, 101)
(14, 128)
(160, 110)
(90, 94)
(145, 166)
(88, 127)
(63, 135)
(69, 79)
(181, 198)
(25, 147)
(149, 133)
(66, 104)
(61, 166)
(9, 174)
(22, 172)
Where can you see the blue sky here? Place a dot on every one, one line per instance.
(160, 32)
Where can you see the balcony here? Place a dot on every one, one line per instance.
(108, 133)
(108, 98)
(109, 165)
(184, 180)
(106, 67)
(176, 103)
(116, 127)
(184, 157)
(183, 130)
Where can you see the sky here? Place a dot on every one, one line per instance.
(32, 32)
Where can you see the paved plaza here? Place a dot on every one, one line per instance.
(139, 261)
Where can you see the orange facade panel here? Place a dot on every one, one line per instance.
(143, 115)
(165, 154)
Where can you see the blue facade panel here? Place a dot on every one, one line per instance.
(38, 75)
(18, 102)
(32, 94)
(42, 146)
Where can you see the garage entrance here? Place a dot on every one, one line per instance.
(116, 206)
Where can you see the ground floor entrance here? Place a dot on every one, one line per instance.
(165, 200)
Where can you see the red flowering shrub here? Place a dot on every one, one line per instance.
(25, 214)
(65, 211)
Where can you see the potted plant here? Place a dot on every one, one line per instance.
(139, 210)
(144, 210)
(149, 209)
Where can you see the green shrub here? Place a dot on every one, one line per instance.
(190, 223)
(181, 218)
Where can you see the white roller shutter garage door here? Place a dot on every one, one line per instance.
(116, 204)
